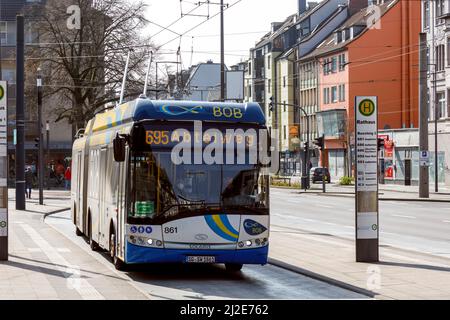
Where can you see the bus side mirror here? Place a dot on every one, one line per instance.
(119, 144)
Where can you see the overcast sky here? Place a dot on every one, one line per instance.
(252, 17)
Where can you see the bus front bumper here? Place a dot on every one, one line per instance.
(137, 254)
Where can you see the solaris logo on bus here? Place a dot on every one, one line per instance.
(230, 146)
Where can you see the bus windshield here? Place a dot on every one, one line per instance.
(162, 191)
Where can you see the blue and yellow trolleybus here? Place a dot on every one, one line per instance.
(174, 181)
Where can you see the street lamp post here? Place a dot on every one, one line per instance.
(47, 152)
(41, 139)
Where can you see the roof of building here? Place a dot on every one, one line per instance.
(360, 18)
(289, 22)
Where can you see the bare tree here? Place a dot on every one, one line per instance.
(83, 50)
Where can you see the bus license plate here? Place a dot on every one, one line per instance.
(201, 259)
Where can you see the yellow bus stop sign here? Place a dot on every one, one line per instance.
(366, 107)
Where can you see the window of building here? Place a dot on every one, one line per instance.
(284, 81)
(426, 15)
(250, 68)
(442, 104)
(326, 66)
(269, 85)
(439, 9)
(334, 65)
(342, 92)
(268, 62)
(284, 132)
(448, 103)
(4, 32)
(342, 62)
(440, 56)
(284, 106)
(334, 97)
(326, 95)
(448, 51)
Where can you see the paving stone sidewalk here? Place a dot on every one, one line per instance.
(43, 264)
(400, 274)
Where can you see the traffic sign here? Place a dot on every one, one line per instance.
(424, 158)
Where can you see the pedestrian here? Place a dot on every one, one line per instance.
(67, 178)
(28, 182)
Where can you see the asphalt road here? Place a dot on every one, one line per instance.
(211, 281)
(418, 226)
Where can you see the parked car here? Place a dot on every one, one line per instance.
(317, 173)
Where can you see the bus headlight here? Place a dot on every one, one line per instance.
(240, 244)
(257, 242)
(150, 241)
(248, 243)
(159, 243)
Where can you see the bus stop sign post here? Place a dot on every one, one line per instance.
(3, 172)
(366, 204)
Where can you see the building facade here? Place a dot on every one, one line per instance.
(273, 74)
(436, 24)
(374, 53)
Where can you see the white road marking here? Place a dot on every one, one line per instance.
(86, 290)
(403, 216)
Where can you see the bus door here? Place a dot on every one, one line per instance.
(121, 206)
(78, 197)
(102, 196)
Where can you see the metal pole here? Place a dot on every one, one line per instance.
(424, 188)
(41, 140)
(324, 189)
(436, 167)
(47, 130)
(305, 165)
(156, 82)
(20, 115)
(148, 73)
(222, 55)
(124, 80)
(435, 113)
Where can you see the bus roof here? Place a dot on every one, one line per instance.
(146, 109)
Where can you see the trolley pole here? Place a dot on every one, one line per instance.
(222, 54)
(20, 115)
(41, 139)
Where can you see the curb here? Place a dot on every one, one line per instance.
(322, 278)
(55, 212)
(352, 195)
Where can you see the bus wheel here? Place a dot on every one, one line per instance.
(92, 243)
(233, 267)
(78, 232)
(118, 264)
